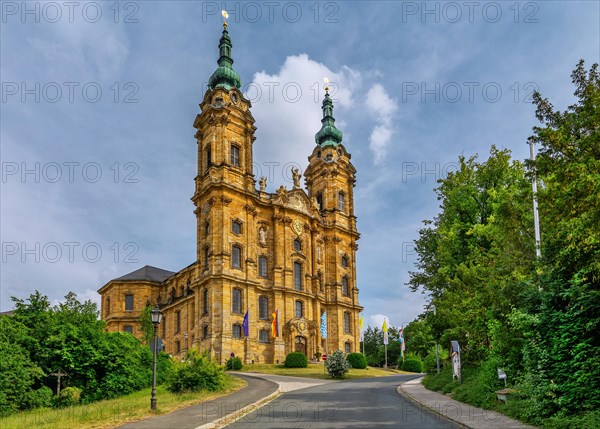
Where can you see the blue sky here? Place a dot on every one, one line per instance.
(98, 100)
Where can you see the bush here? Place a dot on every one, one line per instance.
(296, 360)
(41, 397)
(357, 360)
(411, 364)
(69, 396)
(337, 365)
(196, 372)
(233, 364)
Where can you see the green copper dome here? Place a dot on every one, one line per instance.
(225, 76)
(328, 135)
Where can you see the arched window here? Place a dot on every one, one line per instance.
(177, 321)
(236, 330)
(107, 304)
(347, 347)
(345, 288)
(205, 332)
(297, 276)
(344, 261)
(236, 301)
(205, 301)
(299, 309)
(235, 156)
(341, 201)
(347, 324)
(263, 308)
(297, 245)
(208, 157)
(320, 200)
(262, 266)
(263, 336)
(177, 346)
(236, 227)
(164, 326)
(320, 281)
(236, 256)
(206, 229)
(193, 318)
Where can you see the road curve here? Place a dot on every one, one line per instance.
(363, 403)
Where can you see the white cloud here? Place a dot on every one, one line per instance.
(383, 108)
(287, 109)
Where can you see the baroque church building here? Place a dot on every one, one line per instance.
(282, 258)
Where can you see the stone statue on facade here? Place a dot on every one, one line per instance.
(262, 235)
(262, 183)
(296, 175)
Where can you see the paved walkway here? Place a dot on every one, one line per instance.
(208, 414)
(466, 415)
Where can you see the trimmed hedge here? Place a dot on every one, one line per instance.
(411, 364)
(296, 360)
(233, 364)
(357, 360)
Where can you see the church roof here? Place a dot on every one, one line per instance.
(148, 273)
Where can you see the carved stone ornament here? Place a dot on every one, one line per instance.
(297, 226)
(206, 208)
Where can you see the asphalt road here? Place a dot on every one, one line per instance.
(364, 403)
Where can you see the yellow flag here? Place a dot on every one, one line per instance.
(360, 322)
(384, 327)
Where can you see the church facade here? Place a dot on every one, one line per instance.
(281, 259)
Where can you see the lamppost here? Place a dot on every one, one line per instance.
(437, 353)
(156, 316)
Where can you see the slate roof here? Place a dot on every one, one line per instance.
(147, 273)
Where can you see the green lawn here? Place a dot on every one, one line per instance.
(114, 412)
(315, 370)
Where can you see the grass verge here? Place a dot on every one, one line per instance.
(113, 412)
(315, 370)
(479, 389)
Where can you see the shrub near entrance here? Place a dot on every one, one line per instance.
(296, 360)
(357, 360)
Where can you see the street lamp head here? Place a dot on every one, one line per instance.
(156, 315)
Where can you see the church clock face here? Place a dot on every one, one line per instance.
(297, 227)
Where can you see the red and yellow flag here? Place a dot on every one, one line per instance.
(275, 325)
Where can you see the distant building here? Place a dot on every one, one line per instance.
(293, 251)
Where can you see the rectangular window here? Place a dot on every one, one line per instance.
(177, 347)
(235, 156)
(205, 302)
(236, 227)
(263, 308)
(297, 276)
(347, 347)
(263, 336)
(262, 266)
(236, 301)
(205, 331)
(128, 328)
(347, 323)
(177, 321)
(236, 257)
(236, 331)
(345, 288)
(193, 321)
(341, 201)
(128, 302)
(299, 309)
(164, 326)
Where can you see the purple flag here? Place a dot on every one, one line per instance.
(245, 326)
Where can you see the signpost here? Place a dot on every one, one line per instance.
(324, 357)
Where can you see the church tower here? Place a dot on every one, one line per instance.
(330, 180)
